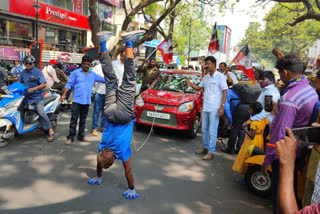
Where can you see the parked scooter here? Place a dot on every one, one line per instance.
(11, 122)
(256, 180)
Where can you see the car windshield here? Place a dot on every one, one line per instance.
(175, 82)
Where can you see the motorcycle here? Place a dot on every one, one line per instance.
(11, 122)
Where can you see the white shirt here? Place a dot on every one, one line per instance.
(50, 75)
(118, 68)
(233, 77)
(213, 87)
(99, 86)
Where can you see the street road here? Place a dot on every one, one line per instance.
(38, 177)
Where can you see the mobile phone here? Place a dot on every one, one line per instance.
(268, 105)
(307, 135)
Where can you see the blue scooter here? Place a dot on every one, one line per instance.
(11, 122)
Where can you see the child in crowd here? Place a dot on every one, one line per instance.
(254, 137)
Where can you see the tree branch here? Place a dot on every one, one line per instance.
(124, 7)
(318, 4)
(131, 4)
(148, 35)
(161, 31)
(290, 9)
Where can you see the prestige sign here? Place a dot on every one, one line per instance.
(56, 13)
(49, 13)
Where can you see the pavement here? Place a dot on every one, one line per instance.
(40, 177)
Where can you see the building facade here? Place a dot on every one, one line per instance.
(63, 26)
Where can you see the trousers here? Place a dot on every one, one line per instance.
(119, 102)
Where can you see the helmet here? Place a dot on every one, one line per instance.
(29, 59)
(58, 65)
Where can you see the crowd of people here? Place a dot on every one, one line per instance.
(295, 104)
(292, 106)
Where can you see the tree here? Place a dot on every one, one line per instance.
(134, 8)
(162, 16)
(291, 40)
(308, 9)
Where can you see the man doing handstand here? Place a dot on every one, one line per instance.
(119, 106)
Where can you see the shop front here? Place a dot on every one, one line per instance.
(63, 31)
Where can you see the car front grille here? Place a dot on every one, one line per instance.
(161, 106)
(170, 122)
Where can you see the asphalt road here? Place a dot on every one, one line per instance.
(39, 177)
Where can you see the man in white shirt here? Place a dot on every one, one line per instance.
(118, 67)
(231, 77)
(49, 74)
(215, 95)
(99, 99)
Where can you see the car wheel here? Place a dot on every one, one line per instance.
(257, 181)
(195, 128)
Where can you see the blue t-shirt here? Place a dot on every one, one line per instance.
(117, 137)
(31, 79)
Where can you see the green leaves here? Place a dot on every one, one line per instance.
(277, 33)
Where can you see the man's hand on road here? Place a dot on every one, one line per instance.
(131, 194)
(96, 180)
(287, 148)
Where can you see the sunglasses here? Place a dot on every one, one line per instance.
(28, 63)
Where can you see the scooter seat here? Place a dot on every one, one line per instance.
(49, 99)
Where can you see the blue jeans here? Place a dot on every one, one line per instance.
(210, 123)
(43, 117)
(98, 107)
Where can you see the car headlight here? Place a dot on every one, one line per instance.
(139, 101)
(185, 107)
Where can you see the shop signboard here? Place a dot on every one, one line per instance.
(114, 2)
(77, 6)
(65, 57)
(49, 13)
(12, 53)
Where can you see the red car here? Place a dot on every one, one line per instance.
(170, 103)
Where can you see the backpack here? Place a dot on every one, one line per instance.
(247, 93)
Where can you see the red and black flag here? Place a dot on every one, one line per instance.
(243, 61)
(214, 42)
(166, 50)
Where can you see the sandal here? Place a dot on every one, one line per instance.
(51, 137)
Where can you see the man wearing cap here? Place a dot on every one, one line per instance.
(49, 74)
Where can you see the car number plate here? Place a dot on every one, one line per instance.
(158, 115)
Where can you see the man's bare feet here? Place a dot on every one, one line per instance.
(68, 142)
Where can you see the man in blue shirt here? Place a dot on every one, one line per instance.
(119, 111)
(33, 78)
(81, 80)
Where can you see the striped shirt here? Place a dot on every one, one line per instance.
(294, 110)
